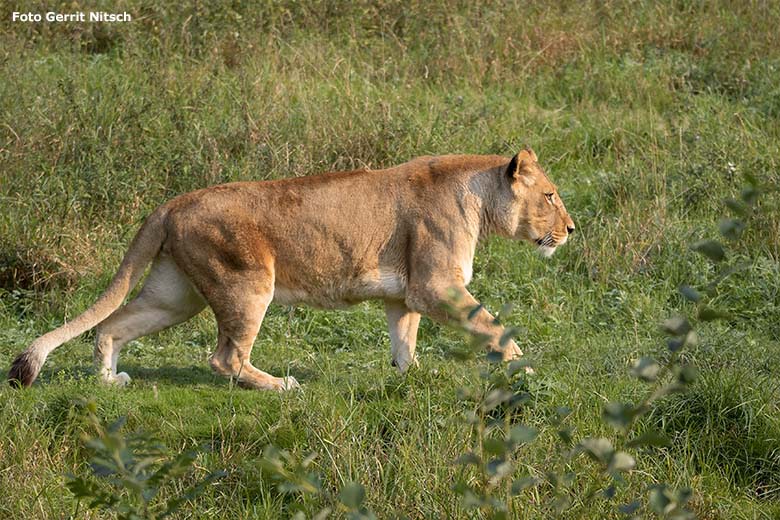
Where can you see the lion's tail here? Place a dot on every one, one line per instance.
(144, 248)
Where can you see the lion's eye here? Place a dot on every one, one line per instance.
(549, 197)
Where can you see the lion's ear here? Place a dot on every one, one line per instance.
(521, 163)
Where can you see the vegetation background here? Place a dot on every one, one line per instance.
(644, 113)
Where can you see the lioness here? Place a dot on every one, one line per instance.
(405, 235)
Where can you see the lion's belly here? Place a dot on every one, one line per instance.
(382, 283)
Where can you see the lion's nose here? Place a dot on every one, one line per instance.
(570, 229)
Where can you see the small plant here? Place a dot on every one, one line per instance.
(128, 472)
(499, 441)
(295, 477)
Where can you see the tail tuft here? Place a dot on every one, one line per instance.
(22, 372)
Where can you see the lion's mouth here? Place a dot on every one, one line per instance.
(547, 245)
(546, 241)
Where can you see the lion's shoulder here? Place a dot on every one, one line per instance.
(435, 169)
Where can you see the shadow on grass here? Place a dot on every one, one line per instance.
(58, 374)
(200, 375)
(178, 376)
(171, 375)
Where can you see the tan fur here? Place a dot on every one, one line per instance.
(405, 235)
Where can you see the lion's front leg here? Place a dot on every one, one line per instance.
(454, 305)
(402, 324)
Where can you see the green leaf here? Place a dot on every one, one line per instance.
(619, 415)
(736, 206)
(731, 228)
(683, 495)
(103, 467)
(600, 449)
(521, 484)
(646, 369)
(650, 438)
(469, 458)
(506, 310)
(659, 500)
(495, 397)
(620, 462)
(352, 495)
(82, 488)
(675, 344)
(565, 435)
(710, 314)
(687, 374)
(689, 293)
(711, 249)
(522, 434)
(494, 446)
(508, 334)
(479, 340)
(495, 357)
(460, 488)
(470, 417)
(749, 195)
(561, 504)
(670, 503)
(518, 365)
(473, 312)
(676, 326)
(631, 508)
(499, 468)
(472, 499)
(518, 400)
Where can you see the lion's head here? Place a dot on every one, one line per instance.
(532, 208)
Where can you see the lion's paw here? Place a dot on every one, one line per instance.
(121, 379)
(289, 383)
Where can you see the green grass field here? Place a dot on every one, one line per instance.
(645, 114)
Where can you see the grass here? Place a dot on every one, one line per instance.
(645, 114)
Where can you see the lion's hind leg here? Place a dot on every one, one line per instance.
(239, 306)
(239, 323)
(167, 298)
